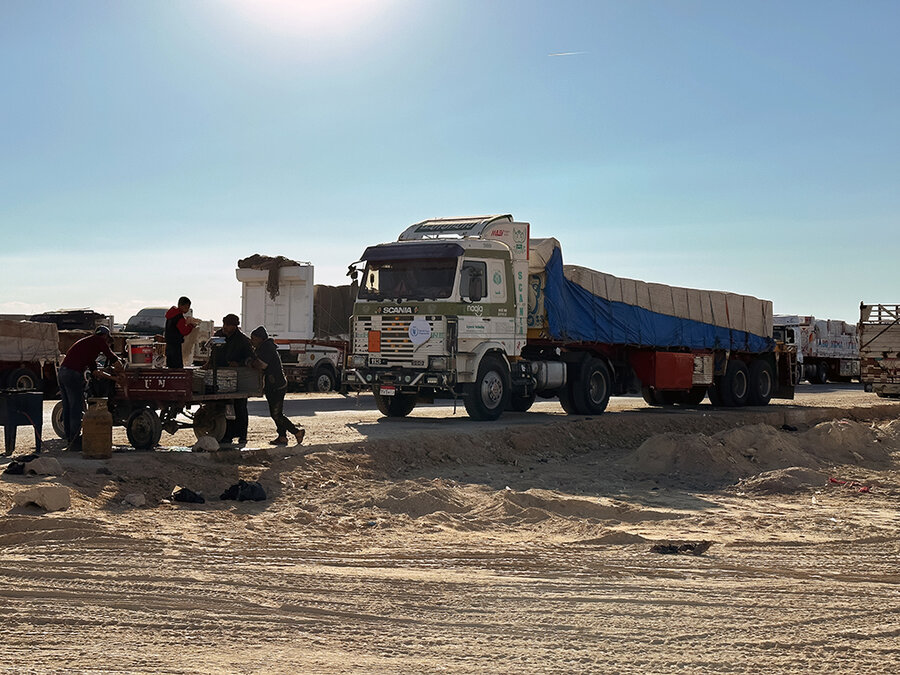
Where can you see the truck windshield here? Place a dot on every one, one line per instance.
(408, 279)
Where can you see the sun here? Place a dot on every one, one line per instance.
(310, 18)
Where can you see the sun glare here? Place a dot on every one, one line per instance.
(310, 18)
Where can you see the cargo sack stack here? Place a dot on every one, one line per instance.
(576, 303)
(226, 378)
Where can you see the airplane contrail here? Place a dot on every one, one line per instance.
(566, 53)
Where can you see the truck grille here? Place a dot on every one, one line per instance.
(396, 347)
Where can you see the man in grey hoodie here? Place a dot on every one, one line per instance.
(268, 360)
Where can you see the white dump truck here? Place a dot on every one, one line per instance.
(826, 349)
(278, 293)
(474, 309)
(879, 349)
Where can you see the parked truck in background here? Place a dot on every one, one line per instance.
(473, 309)
(826, 349)
(879, 349)
(279, 294)
(29, 356)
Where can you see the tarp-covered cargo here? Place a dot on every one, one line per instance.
(576, 304)
(28, 341)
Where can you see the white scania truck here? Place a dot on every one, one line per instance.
(472, 308)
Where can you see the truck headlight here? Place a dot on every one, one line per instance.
(438, 363)
(358, 360)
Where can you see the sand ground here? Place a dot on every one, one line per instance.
(435, 544)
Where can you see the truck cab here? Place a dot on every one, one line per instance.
(433, 306)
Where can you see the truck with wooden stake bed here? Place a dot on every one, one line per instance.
(879, 349)
(474, 309)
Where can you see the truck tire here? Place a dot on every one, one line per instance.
(398, 405)
(209, 420)
(57, 421)
(733, 387)
(24, 378)
(322, 381)
(762, 383)
(488, 396)
(821, 374)
(591, 388)
(521, 403)
(143, 429)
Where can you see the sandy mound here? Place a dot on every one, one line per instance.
(478, 507)
(784, 481)
(751, 450)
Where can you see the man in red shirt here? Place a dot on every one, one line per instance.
(177, 327)
(81, 356)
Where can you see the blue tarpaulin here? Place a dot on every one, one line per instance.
(575, 314)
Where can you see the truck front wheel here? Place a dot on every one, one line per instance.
(398, 405)
(321, 381)
(488, 396)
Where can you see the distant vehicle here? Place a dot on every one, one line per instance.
(286, 308)
(826, 349)
(29, 355)
(74, 319)
(879, 349)
(148, 321)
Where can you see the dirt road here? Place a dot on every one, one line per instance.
(435, 544)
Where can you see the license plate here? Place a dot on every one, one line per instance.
(387, 391)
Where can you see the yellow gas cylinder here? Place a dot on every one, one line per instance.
(96, 430)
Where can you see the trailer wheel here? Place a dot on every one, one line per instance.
(398, 405)
(521, 403)
(210, 420)
(820, 375)
(57, 421)
(144, 429)
(321, 381)
(762, 383)
(24, 378)
(488, 396)
(591, 388)
(734, 386)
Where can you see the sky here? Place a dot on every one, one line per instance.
(146, 146)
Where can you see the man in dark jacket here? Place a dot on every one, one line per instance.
(82, 356)
(177, 327)
(237, 351)
(268, 360)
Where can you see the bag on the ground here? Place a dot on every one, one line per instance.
(183, 494)
(244, 491)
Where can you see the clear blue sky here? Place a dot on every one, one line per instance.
(146, 146)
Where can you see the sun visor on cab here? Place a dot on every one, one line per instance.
(421, 251)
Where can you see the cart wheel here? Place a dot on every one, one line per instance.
(144, 429)
(210, 421)
(56, 420)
